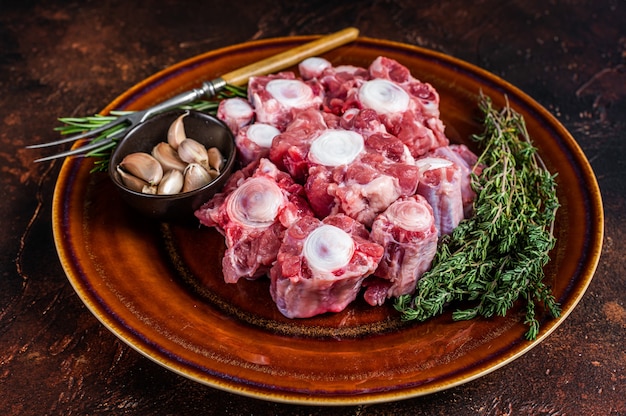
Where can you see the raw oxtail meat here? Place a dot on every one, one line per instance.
(254, 141)
(290, 149)
(339, 166)
(321, 264)
(276, 97)
(466, 160)
(407, 232)
(253, 217)
(235, 113)
(358, 177)
(440, 184)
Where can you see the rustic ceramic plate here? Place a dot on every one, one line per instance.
(159, 287)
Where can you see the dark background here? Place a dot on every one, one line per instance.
(71, 58)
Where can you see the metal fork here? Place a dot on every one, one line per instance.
(237, 77)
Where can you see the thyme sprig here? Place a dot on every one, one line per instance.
(76, 125)
(496, 257)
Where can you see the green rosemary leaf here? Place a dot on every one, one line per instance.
(496, 257)
(76, 125)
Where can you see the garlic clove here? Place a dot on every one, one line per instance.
(143, 166)
(131, 182)
(216, 160)
(213, 173)
(195, 177)
(191, 151)
(168, 157)
(149, 189)
(176, 132)
(172, 183)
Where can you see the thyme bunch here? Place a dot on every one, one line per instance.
(496, 257)
(76, 125)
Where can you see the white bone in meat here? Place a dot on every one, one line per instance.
(407, 232)
(235, 113)
(321, 265)
(313, 67)
(275, 97)
(253, 217)
(254, 141)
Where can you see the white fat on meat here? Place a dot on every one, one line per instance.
(440, 183)
(235, 113)
(466, 160)
(408, 234)
(254, 141)
(253, 216)
(320, 266)
(363, 201)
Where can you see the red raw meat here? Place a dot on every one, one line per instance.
(407, 232)
(407, 107)
(235, 113)
(254, 141)
(276, 97)
(289, 150)
(320, 266)
(440, 184)
(341, 85)
(367, 185)
(253, 217)
(466, 160)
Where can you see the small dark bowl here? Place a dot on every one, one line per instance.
(204, 128)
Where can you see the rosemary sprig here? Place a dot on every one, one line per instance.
(76, 125)
(497, 256)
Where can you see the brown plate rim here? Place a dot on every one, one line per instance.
(69, 181)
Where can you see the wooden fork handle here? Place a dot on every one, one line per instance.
(239, 77)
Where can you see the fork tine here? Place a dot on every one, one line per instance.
(78, 151)
(105, 142)
(73, 138)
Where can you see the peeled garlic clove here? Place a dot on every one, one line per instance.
(143, 166)
(191, 151)
(216, 160)
(172, 183)
(131, 182)
(195, 177)
(176, 132)
(168, 157)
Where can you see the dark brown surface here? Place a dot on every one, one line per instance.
(61, 59)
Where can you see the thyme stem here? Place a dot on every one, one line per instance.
(496, 257)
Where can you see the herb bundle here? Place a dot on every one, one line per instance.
(496, 257)
(76, 125)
